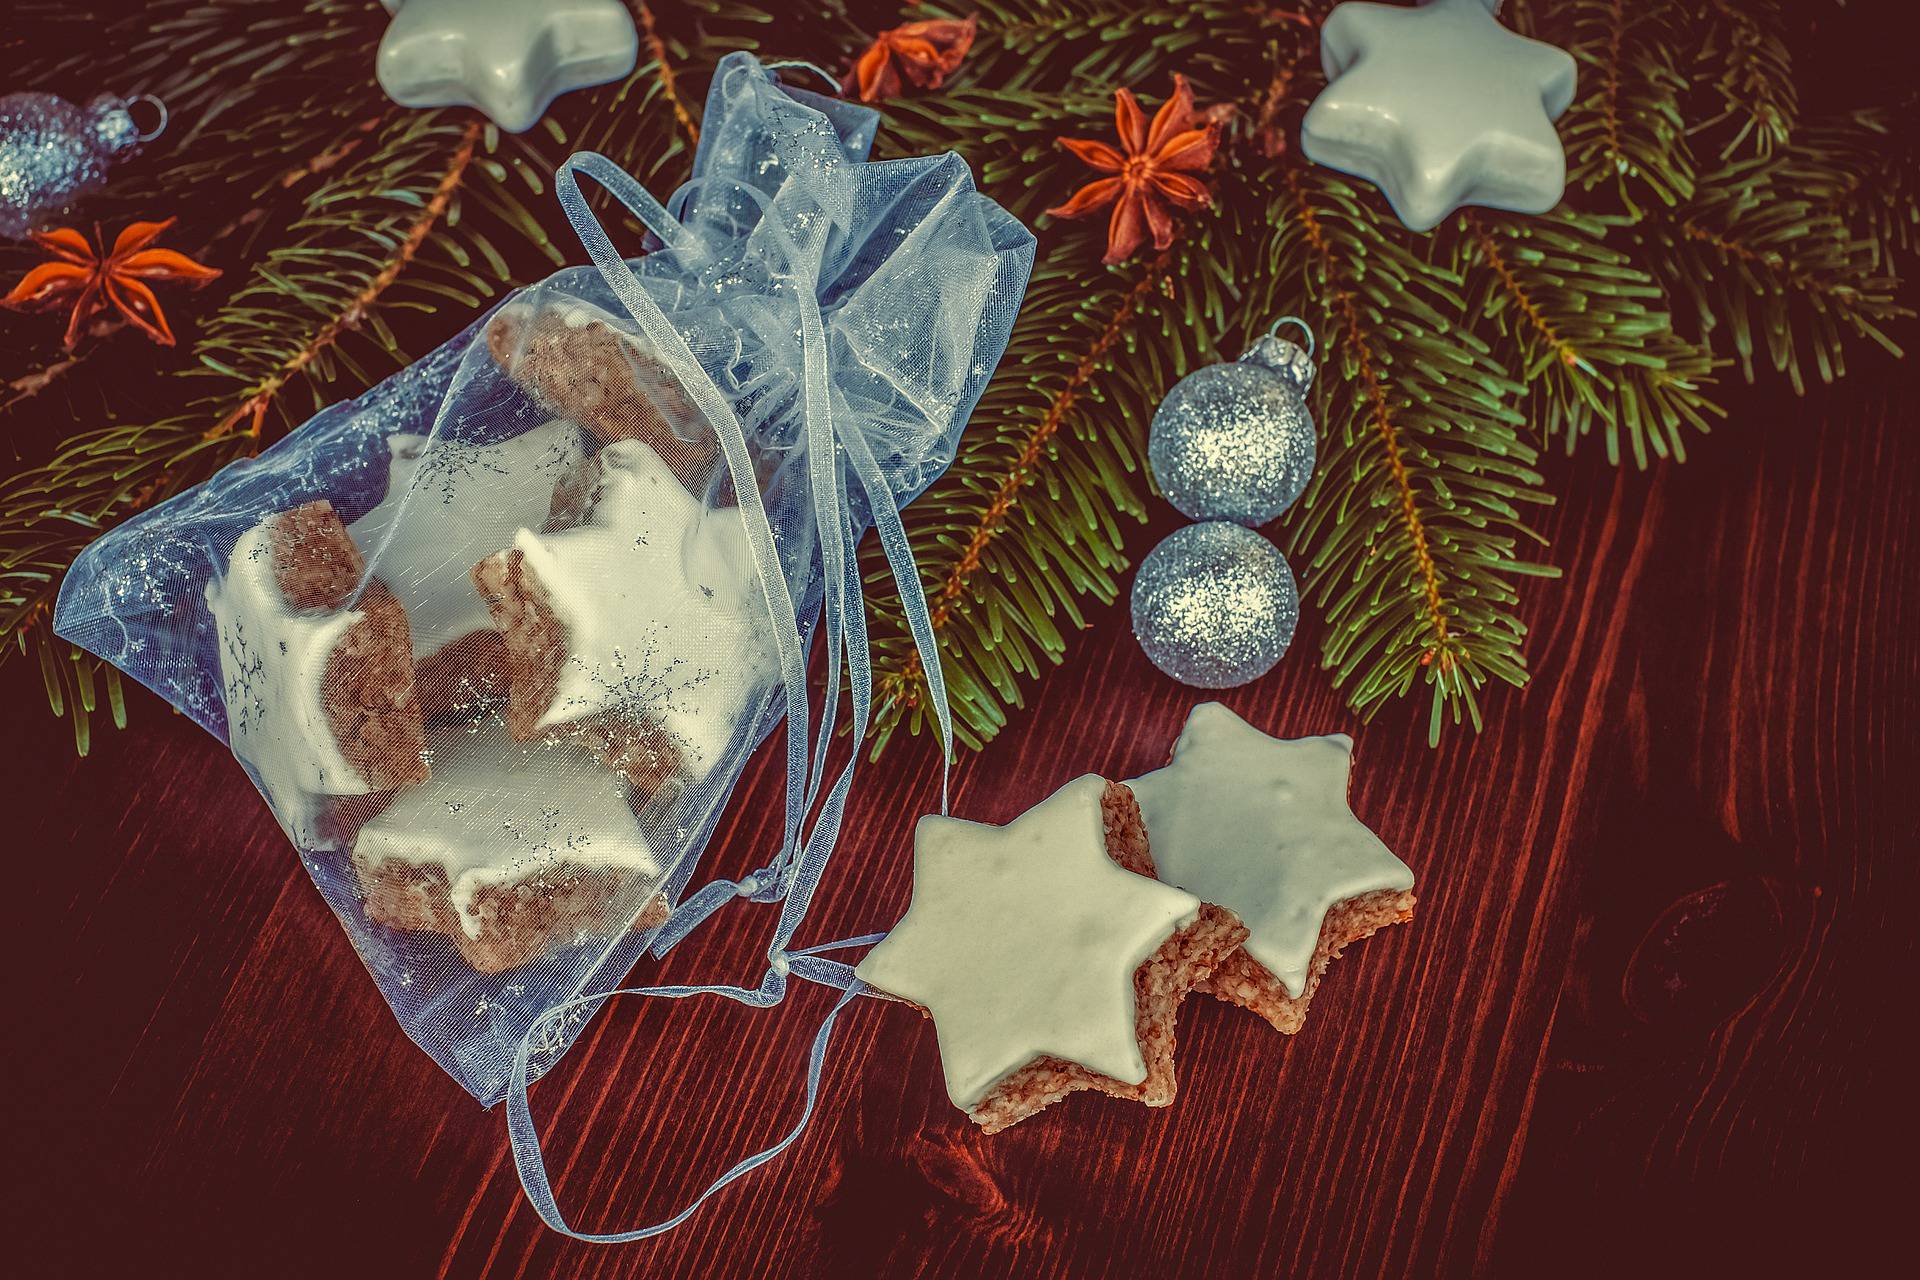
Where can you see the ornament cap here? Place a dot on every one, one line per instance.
(114, 125)
(1292, 362)
(160, 116)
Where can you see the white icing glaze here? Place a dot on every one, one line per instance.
(497, 812)
(273, 661)
(1022, 941)
(1260, 825)
(662, 608)
(450, 505)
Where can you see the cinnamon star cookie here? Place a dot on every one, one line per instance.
(1045, 966)
(1260, 825)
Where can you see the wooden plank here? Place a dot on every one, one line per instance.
(1654, 986)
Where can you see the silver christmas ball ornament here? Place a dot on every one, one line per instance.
(52, 153)
(1235, 441)
(1214, 605)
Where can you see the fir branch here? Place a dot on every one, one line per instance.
(232, 69)
(1583, 330)
(252, 411)
(1861, 167)
(1762, 263)
(1626, 131)
(902, 689)
(1424, 433)
(1030, 517)
(1742, 57)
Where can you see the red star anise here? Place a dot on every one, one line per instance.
(1153, 174)
(91, 280)
(922, 54)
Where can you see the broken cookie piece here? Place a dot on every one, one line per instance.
(316, 669)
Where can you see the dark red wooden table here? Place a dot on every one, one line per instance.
(1654, 1013)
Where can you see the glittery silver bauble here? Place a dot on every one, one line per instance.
(52, 153)
(1214, 605)
(1235, 441)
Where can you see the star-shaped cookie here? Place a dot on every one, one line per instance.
(642, 630)
(509, 58)
(1440, 106)
(450, 504)
(1260, 825)
(1046, 967)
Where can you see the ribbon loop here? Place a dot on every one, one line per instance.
(530, 1161)
(888, 355)
(794, 875)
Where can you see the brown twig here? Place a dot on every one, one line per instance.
(1490, 251)
(28, 385)
(657, 48)
(252, 411)
(1347, 312)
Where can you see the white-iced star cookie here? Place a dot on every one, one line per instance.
(1045, 966)
(451, 504)
(509, 58)
(510, 850)
(316, 671)
(1260, 825)
(1440, 106)
(643, 631)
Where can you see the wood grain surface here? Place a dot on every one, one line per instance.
(1653, 1014)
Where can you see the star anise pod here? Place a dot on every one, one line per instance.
(1153, 171)
(922, 54)
(92, 279)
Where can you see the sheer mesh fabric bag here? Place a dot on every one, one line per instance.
(495, 640)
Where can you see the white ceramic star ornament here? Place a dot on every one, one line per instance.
(1260, 825)
(1022, 942)
(509, 58)
(1440, 106)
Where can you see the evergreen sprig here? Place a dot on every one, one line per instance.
(1584, 331)
(1760, 255)
(1413, 522)
(1626, 132)
(1032, 516)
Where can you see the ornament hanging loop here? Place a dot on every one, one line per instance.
(159, 125)
(1273, 330)
(799, 64)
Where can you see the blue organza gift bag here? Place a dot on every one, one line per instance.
(495, 639)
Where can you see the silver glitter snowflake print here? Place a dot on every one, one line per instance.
(640, 684)
(154, 570)
(245, 674)
(546, 839)
(448, 464)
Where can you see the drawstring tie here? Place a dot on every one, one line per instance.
(793, 876)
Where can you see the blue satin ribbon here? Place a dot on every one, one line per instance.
(793, 875)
